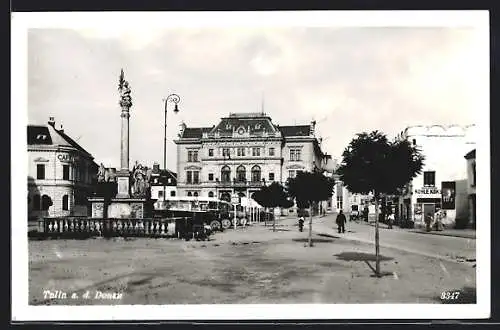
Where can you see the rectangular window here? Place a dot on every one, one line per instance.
(160, 194)
(271, 176)
(430, 178)
(473, 174)
(291, 174)
(196, 177)
(255, 152)
(65, 172)
(339, 203)
(271, 151)
(241, 151)
(297, 154)
(294, 154)
(40, 171)
(225, 152)
(192, 156)
(172, 193)
(210, 152)
(189, 177)
(210, 177)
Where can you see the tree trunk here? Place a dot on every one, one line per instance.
(310, 225)
(377, 246)
(274, 220)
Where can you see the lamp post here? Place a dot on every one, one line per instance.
(173, 98)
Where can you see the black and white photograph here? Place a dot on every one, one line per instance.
(250, 165)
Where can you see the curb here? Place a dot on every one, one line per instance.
(387, 246)
(443, 234)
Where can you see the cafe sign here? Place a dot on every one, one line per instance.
(67, 158)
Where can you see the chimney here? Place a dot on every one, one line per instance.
(311, 127)
(52, 122)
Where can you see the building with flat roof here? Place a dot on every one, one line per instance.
(442, 185)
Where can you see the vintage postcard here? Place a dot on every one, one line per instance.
(250, 165)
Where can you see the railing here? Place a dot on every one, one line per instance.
(79, 227)
(239, 183)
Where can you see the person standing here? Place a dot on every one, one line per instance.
(390, 220)
(341, 222)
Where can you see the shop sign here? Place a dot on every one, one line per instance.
(67, 158)
(427, 191)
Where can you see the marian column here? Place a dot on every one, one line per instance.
(123, 176)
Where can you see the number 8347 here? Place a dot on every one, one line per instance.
(450, 295)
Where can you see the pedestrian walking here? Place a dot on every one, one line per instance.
(390, 220)
(428, 220)
(341, 222)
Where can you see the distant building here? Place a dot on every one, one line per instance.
(241, 153)
(61, 173)
(471, 185)
(163, 182)
(443, 181)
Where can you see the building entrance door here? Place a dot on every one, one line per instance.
(429, 208)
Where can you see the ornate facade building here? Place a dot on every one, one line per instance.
(60, 173)
(241, 153)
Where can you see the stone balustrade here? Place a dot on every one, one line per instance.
(89, 227)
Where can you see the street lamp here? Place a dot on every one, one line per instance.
(173, 98)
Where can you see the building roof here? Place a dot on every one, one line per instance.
(471, 154)
(194, 132)
(297, 130)
(163, 177)
(49, 135)
(252, 123)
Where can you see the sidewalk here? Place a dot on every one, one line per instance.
(464, 233)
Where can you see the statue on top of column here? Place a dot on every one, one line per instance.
(124, 89)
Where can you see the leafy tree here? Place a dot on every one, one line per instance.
(308, 188)
(272, 196)
(373, 164)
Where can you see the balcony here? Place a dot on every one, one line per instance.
(240, 183)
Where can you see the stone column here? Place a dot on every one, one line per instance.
(125, 115)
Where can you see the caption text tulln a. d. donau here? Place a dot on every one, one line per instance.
(59, 294)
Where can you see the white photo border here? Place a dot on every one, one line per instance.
(21, 311)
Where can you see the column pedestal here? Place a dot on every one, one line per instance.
(123, 181)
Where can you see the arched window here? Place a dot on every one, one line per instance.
(65, 203)
(195, 194)
(210, 194)
(225, 174)
(256, 173)
(189, 194)
(241, 174)
(46, 202)
(36, 202)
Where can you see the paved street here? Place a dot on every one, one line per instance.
(445, 247)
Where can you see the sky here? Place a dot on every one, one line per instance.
(349, 79)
